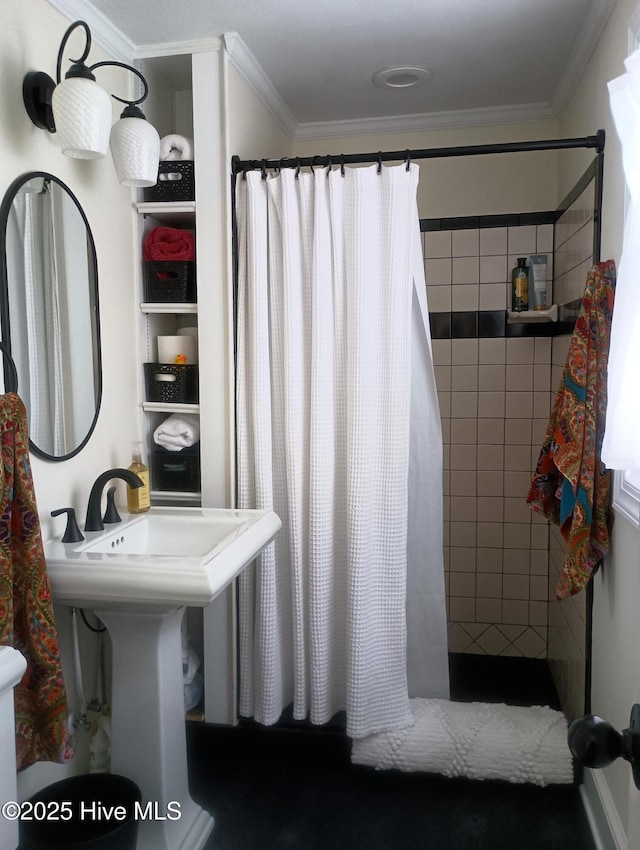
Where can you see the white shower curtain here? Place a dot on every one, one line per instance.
(330, 295)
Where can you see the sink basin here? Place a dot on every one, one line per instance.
(178, 555)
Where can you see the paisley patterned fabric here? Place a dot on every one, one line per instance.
(26, 611)
(571, 485)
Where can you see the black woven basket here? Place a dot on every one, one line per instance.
(169, 280)
(175, 471)
(175, 182)
(169, 383)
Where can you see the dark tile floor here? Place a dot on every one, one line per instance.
(294, 787)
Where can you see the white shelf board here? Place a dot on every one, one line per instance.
(169, 407)
(168, 307)
(550, 315)
(171, 210)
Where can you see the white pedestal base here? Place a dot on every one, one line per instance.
(149, 742)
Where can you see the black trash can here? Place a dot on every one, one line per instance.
(95, 811)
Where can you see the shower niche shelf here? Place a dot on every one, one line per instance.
(531, 316)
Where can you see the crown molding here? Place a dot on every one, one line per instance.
(583, 47)
(248, 67)
(110, 39)
(425, 121)
(179, 48)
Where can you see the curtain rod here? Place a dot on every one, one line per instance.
(240, 165)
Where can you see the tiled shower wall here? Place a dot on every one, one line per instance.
(567, 618)
(495, 396)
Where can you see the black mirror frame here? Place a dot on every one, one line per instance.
(5, 324)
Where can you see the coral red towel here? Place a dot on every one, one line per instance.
(169, 243)
(26, 609)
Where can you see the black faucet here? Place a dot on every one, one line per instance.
(94, 508)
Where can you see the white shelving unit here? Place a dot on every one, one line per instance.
(549, 315)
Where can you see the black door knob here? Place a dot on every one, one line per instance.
(595, 743)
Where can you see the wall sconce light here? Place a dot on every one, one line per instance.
(79, 111)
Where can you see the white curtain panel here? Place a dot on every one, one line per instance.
(326, 269)
(621, 447)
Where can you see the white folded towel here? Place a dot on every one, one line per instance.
(177, 432)
(175, 147)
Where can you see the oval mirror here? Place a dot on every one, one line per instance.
(49, 312)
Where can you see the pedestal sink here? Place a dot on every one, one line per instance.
(138, 576)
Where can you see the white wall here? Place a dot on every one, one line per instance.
(459, 186)
(29, 38)
(616, 659)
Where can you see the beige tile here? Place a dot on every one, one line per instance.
(541, 404)
(493, 296)
(542, 377)
(493, 240)
(446, 483)
(531, 644)
(444, 403)
(493, 269)
(538, 613)
(490, 535)
(516, 484)
(491, 431)
(489, 610)
(542, 350)
(515, 612)
(446, 508)
(538, 588)
(492, 351)
(439, 299)
(489, 560)
(441, 349)
(462, 584)
(464, 378)
(489, 585)
(438, 272)
(491, 378)
(465, 243)
(516, 510)
(464, 405)
(464, 431)
(437, 243)
(520, 351)
(538, 431)
(463, 457)
(462, 559)
(544, 239)
(443, 378)
(517, 535)
(516, 561)
(539, 562)
(457, 639)
(518, 404)
(464, 509)
(445, 425)
(464, 352)
(465, 297)
(519, 377)
(515, 586)
(490, 457)
(490, 483)
(522, 240)
(539, 537)
(517, 458)
(517, 432)
(465, 270)
(463, 534)
(462, 609)
(463, 483)
(491, 405)
(493, 642)
(490, 509)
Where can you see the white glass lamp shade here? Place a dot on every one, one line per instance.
(82, 114)
(135, 148)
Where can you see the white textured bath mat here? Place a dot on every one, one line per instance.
(477, 740)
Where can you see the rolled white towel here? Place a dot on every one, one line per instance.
(177, 432)
(175, 147)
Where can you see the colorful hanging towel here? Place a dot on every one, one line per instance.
(571, 485)
(26, 610)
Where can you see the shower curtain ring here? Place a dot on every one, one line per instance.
(329, 164)
(281, 164)
(298, 166)
(408, 160)
(264, 169)
(379, 162)
(342, 164)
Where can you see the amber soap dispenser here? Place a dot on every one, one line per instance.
(139, 498)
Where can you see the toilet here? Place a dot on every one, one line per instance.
(12, 667)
